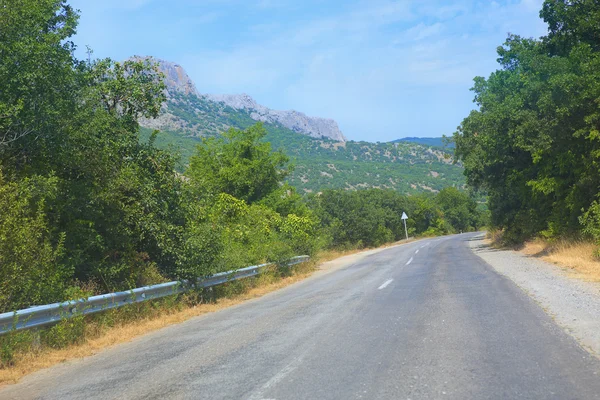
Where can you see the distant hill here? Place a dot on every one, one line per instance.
(320, 162)
(434, 142)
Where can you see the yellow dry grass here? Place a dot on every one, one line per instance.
(577, 257)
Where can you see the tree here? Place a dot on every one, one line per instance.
(459, 210)
(116, 208)
(238, 164)
(37, 73)
(534, 143)
(127, 90)
(31, 267)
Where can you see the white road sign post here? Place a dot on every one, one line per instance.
(404, 218)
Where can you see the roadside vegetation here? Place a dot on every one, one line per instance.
(533, 145)
(88, 207)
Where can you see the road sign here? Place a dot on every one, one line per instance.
(404, 218)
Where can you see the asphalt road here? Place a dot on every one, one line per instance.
(427, 320)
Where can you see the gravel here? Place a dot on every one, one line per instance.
(574, 304)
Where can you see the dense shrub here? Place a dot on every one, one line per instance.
(32, 270)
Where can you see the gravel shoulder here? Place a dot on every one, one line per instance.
(573, 304)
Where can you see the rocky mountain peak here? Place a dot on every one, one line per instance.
(297, 121)
(237, 101)
(177, 80)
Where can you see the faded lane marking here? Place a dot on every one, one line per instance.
(385, 284)
(259, 394)
(409, 261)
(416, 252)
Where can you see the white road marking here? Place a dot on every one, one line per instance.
(416, 252)
(409, 261)
(259, 394)
(385, 284)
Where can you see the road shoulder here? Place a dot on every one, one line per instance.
(573, 304)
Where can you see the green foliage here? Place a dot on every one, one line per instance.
(458, 208)
(133, 88)
(534, 143)
(266, 221)
(372, 217)
(14, 343)
(590, 220)
(31, 259)
(84, 199)
(36, 70)
(239, 164)
(437, 142)
(67, 332)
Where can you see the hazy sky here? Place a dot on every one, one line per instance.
(382, 69)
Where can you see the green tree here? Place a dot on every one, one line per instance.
(239, 164)
(37, 74)
(31, 264)
(116, 209)
(533, 145)
(458, 208)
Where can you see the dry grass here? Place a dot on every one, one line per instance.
(576, 256)
(494, 236)
(98, 338)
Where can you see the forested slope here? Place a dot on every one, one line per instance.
(320, 163)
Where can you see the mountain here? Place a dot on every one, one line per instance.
(182, 93)
(298, 122)
(433, 142)
(320, 162)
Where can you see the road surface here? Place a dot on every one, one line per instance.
(426, 320)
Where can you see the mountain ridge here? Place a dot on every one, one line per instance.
(180, 87)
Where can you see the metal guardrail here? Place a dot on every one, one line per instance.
(49, 314)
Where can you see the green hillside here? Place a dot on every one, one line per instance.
(426, 141)
(320, 163)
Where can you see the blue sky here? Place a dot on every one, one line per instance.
(382, 69)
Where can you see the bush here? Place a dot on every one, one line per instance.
(30, 256)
